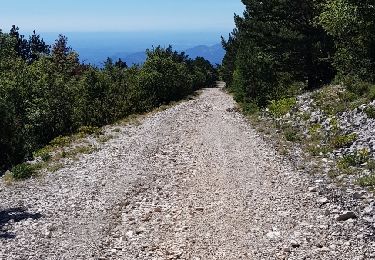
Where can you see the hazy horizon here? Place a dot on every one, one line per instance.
(96, 47)
(97, 29)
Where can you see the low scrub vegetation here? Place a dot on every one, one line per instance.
(354, 160)
(370, 112)
(341, 141)
(281, 107)
(367, 181)
(22, 171)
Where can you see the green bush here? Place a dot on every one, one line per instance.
(44, 153)
(314, 129)
(22, 171)
(370, 112)
(344, 140)
(61, 141)
(281, 107)
(359, 88)
(367, 181)
(317, 150)
(331, 100)
(291, 135)
(371, 165)
(371, 93)
(355, 159)
(348, 96)
(45, 156)
(90, 130)
(250, 108)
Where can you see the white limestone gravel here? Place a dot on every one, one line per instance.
(192, 182)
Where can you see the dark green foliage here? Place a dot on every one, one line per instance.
(276, 43)
(352, 24)
(370, 112)
(354, 159)
(90, 130)
(164, 77)
(22, 171)
(46, 92)
(121, 64)
(29, 50)
(291, 134)
(228, 64)
(341, 141)
(281, 107)
(249, 108)
(360, 88)
(367, 181)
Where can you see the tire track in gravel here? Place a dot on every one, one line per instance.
(192, 182)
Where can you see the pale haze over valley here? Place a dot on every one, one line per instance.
(124, 29)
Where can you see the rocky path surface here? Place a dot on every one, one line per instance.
(192, 182)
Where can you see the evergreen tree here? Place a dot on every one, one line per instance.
(22, 46)
(37, 47)
(352, 24)
(275, 44)
(121, 64)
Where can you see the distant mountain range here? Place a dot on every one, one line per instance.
(95, 47)
(214, 54)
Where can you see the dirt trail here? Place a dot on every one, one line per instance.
(192, 182)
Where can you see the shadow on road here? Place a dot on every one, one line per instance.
(15, 214)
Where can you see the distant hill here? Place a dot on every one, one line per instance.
(133, 58)
(214, 54)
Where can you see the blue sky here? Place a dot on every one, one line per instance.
(119, 15)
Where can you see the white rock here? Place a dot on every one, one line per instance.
(273, 234)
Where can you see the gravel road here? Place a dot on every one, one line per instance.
(192, 182)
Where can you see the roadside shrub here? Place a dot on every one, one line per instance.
(89, 130)
(306, 116)
(44, 153)
(348, 96)
(330, 100)
(371, 165)
(61, 141)
(359, 88)
(367, 181)
(314, 129)
(22, 171)
(363, 156)
(317, 150)
(355, 159)
(370, 112)
(291, 135)
(334, 125)
(250, 108)
(371, 93)
(45, 156)
(279, 108)
(342, 141)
